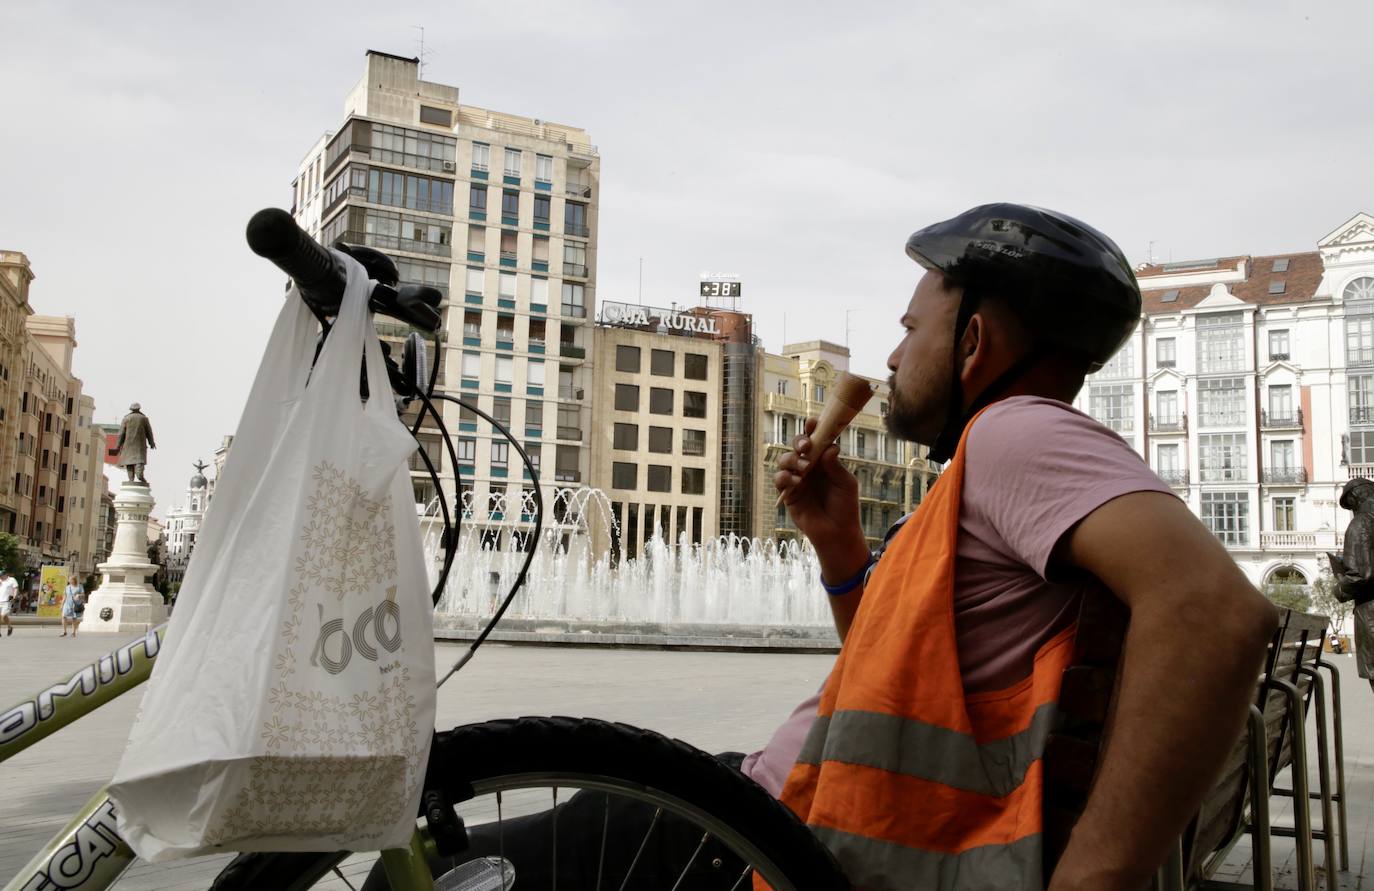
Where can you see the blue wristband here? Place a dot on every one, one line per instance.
(849, 584)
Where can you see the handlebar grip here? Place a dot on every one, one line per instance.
(319, 275)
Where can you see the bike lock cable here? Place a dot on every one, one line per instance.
(451, 528)
(443, 508)
(529, 554)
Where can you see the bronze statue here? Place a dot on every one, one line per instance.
(135, 438)
(1354, 569)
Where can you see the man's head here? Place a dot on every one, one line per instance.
(1358, 494)
(1014, 300)
(4, 573)
(135, 407)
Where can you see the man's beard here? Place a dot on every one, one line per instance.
(903, 421)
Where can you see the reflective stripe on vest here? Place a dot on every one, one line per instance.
(910, 782)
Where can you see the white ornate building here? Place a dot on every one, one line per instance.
(183, 524)
(1249, 387)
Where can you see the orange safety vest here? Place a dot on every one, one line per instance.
(909, 781)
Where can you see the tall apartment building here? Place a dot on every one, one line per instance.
(499, 208)
(58, 469)
(15, 276)
(1249, 388)
(893, 475)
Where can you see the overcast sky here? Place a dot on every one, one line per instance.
(796, 144)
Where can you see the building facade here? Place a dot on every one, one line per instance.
(1249, 388)
(15, 276)
(893, 475)
(183, 525)
(501, 209)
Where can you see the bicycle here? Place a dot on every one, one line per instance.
(499, 769)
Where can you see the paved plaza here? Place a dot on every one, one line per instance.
(715, 700)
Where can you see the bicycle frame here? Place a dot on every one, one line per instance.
(88, 854)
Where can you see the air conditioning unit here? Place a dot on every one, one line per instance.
(449, 166)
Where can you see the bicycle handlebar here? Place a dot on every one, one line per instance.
(318, 274)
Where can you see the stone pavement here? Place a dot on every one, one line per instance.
(714, 700)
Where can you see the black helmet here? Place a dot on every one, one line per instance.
(1070, 285)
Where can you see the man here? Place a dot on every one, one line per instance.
(135, 438)
(1354, 569)
(9, 590)
(922, 770)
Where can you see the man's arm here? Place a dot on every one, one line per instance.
(148, 427)
(1193, 652)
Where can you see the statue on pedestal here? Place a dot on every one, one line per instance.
(135, 438)
(1354, 569)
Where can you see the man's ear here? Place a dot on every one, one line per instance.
(972, 350)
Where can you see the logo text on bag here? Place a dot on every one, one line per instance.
(105, 670)
(376, 617)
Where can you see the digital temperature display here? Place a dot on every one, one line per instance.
(720, 289)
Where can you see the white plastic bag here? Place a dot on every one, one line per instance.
(292, 705)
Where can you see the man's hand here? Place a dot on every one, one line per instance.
(1193, 653)
(824, 505)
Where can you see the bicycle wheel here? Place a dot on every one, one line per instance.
(586, 804)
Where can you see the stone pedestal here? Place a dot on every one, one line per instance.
(125, 603)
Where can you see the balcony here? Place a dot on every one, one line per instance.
(1165, 363)
(570, 393)
(1169, 424)
(1176, 478)
(578, 189)
(394, 243)
(1286, 476)
(1223, 475)
(1323, 540)
(567, 476)
(578, 230)
(570, 433)
(1279, 357)
(1364, 470)
(1362, 414)
(867, 453)
(1289, 420)
(571, 351)
(576, 269)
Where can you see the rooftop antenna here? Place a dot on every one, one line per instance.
(847, 328)
(641, 280)
(1150, 253)
(423, 54)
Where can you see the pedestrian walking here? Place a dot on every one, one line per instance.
(73, 605)
(8, 589)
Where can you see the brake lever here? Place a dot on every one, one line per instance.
(413, 304)
(379, 267)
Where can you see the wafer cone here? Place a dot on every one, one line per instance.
(851, 393)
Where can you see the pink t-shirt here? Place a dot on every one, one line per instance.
(1033, 469)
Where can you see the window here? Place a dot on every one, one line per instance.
(543, 168)
(1277, 287)
(510, 203)
(663, 363)
(472, 365)
(1221, 457)
(819, 393)
(570, 422)
(1360, 388)
(1167, 465)
(660, 478)
(539, 291)
(534, 414)
(1220, 343)
(627, 358)
(477, 199)
(507, 285)
(565, 464)
(573, 304)
(1227, 515)
(541, 209)
(441, 116)
(481, 156)
(500, 409)
(500, 453)
(574, 258)
(1281, 265)
(466, 414)
(1281, 456)
(782, 387)
(509, 241)
(1278, 344)
(1361, 447)
(505, 369)
(512, 162)
(694, 367)
(1284, 515)
(477, 240)
(693, 404)
(1280, 403)
(533, 449)
(467, 449)
(660, 401)
(1359, 340)
(624, 475)
(476, 279)
(1112, 405)
(408, 190)
(1221, 402)
(626, 397)
(626, 437)
(505, 334)
(1121, 365)
(1361, 288)
(693, 481)
(534, 374)
(1166, 408)
(661, 440)
(575, 219)
(1166, 355)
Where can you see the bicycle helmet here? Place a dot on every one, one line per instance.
(1071, 286)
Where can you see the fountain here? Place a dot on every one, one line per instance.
(727, 591)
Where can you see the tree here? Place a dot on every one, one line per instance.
(1325, 601)
(11, 557)
(1288, 596)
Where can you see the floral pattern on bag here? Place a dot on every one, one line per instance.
(346, 556)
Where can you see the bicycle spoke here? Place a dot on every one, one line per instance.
(739, 883)
(344, 880)
(658, 812)
(501, 839)
(682, 878)
(605, 831)
(555, 838)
